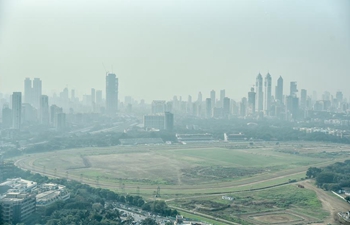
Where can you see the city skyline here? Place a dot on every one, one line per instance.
(185, 50)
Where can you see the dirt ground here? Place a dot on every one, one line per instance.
(275, 218)
(329, 203)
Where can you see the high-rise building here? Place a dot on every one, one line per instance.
(200, 98)
(54, 110)
(222, 96)
(6, 117)
(168, 121)
(268, 95)
(293, 89)
(226, 107)
(292, 103)
(28, 90)
(158, 106)
(99, 97)
(279, 90)
(339, 96)
(93, 95)
(213, 98)
(44, 110)
(156, 121)
(16, 110)
(37, 92)
(72, 95)
(259, 93)
(208, 107)
(243, 107)
(60, 121)
(111, 93)
(251, 101)
(303, 98)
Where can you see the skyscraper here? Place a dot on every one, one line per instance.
(111, 93)
(37, 92)
(93, 95)
(208, 107)
(267, 101)
(222, 96)
(226, 107)
(16, 110)
(303, 97)
(28, 90)
(99, 97)
(251, 101)
(293, 88)
(279, 90)
(200, 98)
(44, 110)
(213, 98)
(158, 106)
(259, 93)
(168, 121)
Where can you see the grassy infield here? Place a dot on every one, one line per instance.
(275, 162)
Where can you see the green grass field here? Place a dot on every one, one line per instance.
(192, 173)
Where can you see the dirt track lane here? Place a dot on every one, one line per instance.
(331, 204)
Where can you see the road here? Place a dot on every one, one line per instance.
(330, 202)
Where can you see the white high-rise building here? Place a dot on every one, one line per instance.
(268, 95)
(259, 93)
(111, 93)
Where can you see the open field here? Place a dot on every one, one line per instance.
(194, 177)
(181, 170)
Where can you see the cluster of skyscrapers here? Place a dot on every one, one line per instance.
(34, 107)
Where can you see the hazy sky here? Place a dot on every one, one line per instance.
(163, 48)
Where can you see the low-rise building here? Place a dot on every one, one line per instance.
(50, 193)
(17, 207)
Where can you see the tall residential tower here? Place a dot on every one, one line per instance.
(111, 93)
(259, 93)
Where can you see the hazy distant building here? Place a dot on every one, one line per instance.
(213, 98)
(259, 93)
(29, 113)
(60, 122)
(44, 110)
(200, 98)
(6, 117)
(111, 93)
(154, 121)
(37, 92)
(93, 95)
(99, 97)
(279, 90)
(28, 90)
(54, 110)
(268, 94)
(293, 88)
(32, 92)
(16, 110)
(243, 107)
(208, 108)
(158, 106)
(251, 101)
(168, 121)
(222, 96)
(339, 96)
(226, 107)
(292, 103)
(303, 98)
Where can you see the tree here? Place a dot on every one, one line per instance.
(149, 221)
(325, 177)
(312, 172)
